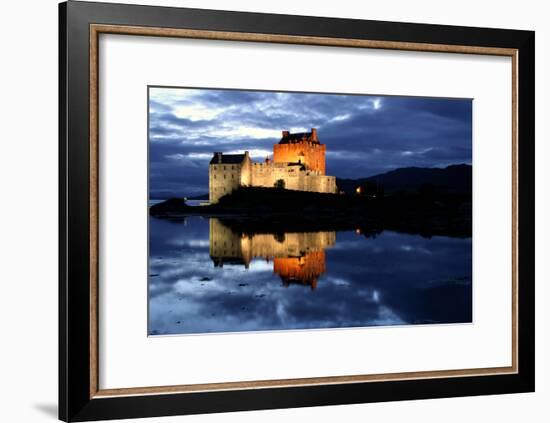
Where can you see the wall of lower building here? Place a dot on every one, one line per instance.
(267, 174)
(225, 178)
(317, 183)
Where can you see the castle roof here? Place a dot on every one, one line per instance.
(302, 166)
(220, 158)
(289, 138)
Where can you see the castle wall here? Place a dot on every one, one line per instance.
(310, 154)
(267, 174)
(246, 172)
(225, 178)
(319, 183)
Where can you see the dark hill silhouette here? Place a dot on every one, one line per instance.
(451, 179)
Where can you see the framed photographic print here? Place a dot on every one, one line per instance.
(268, 211)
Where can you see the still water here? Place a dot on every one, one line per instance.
(206, 277)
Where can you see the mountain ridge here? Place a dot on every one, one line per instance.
(456, 178)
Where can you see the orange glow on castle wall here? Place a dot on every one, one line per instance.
(304, 148)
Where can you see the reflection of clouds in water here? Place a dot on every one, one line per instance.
(368, 282)
(387, 317)
(336, 281)
(191, 243)
(260, 266)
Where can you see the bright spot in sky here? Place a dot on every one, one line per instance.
(254, 153)
(340, 117)
(197, 112)
(371, 104)
(179, 156)
(199, 155)
(419, 152)
(246, 132)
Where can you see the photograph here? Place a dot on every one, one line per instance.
(277, 210)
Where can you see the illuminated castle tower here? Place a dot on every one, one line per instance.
(304, 148)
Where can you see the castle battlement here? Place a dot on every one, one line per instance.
(298, 160)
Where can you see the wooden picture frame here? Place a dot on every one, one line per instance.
(80, 398)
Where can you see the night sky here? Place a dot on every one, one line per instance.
(365, 135)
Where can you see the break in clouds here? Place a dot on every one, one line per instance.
(364, 135)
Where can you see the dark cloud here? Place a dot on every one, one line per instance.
(364, 135)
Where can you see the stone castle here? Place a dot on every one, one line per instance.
(298, 161)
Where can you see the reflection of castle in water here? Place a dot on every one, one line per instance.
(298, 257)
